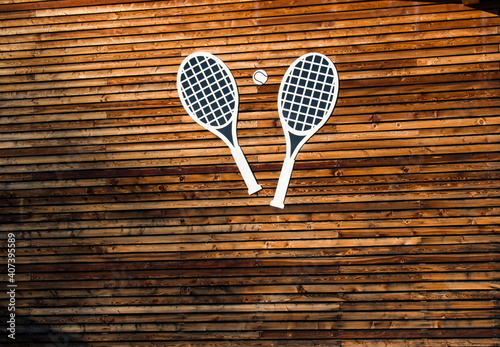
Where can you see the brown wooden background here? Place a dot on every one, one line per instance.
(134, 226)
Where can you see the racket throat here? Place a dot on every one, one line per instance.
(227, 134)
(296, 142)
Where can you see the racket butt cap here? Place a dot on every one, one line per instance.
(254, 189)
(277, 204)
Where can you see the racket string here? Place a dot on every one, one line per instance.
(308, 92)
(208, 91)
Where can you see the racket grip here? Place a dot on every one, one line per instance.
(281, 189)
(245, 170)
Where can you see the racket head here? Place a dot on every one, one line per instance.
(307, 96)
(209, 93)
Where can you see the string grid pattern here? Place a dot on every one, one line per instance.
(208, 91)
(307, 93)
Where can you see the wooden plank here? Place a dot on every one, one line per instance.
(107, 131)
(19, 28)
(190, 11)
(463, 300)
(266, 258)
(230, 202)
(184, 32)
(284, 335)
(329, 343)
(157, 218)
(349, 81)
(372, 51)
(319, 317)
(460, 36)
(384, 334)
(102, 192)
(122, 271)
(131, 153)
(480, 245)
(132, 278)
(236, 326)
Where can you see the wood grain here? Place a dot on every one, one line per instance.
(134, 228)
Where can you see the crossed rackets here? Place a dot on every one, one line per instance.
(306, 99)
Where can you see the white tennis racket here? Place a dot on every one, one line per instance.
(209, 94)
(307, 97)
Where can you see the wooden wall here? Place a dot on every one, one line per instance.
(134, 227)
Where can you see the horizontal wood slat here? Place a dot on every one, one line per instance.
(134, 227)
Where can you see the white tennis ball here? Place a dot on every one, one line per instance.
(259, 77)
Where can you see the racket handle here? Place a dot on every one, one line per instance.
(281, 189)
(245, 170)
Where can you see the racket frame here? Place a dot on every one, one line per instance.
(229, 128)
(296, 139)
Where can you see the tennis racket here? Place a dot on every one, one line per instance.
(209, 94)
(306, 99)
